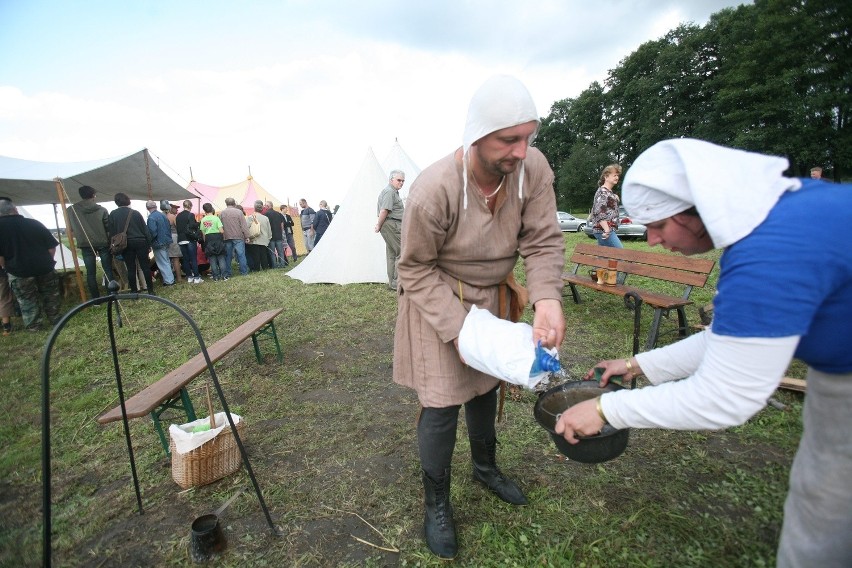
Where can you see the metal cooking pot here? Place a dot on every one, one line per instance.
(207, 540)
(608, 444)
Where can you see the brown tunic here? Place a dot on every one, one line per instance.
(445, 246)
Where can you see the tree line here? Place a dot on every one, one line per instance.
(773, 77)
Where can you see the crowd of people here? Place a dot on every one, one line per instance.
(169, 246)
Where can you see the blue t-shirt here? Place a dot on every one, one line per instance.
(793, 276)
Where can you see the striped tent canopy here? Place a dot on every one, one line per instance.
(245, 193)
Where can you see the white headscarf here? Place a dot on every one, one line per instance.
(501, 102)
(733, 190)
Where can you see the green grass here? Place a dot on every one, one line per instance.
(331, 438)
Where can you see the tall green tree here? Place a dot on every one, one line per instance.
(577, 177)
(773, 77)
(556, 135)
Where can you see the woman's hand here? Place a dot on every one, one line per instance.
(582, 419)
(627, 368)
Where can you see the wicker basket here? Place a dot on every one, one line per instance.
(209, 462)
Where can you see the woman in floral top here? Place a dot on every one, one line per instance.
(604, 216)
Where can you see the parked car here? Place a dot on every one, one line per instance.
(626, 227)
(569, 223)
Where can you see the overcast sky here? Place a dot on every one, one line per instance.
(297, 90)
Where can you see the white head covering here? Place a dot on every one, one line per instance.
(501, 102)
(733, 190)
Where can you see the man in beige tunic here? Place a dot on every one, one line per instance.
(467, 219)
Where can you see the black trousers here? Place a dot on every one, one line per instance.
(258, 257)
(436, 430)
(137, 252)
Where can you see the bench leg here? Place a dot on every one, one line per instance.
(574, 293)
(654, 332)
(266, 332)
(185, 405)
(681, 322)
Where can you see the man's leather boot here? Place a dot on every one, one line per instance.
(438, 519)
(485, 471)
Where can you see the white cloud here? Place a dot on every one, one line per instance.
(302, 94)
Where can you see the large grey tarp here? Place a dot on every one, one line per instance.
(27, 182)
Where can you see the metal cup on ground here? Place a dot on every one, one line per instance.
(207, 540)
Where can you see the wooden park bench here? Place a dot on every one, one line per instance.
(689, 272)
(170, 391)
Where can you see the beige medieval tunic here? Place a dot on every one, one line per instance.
(445, 246)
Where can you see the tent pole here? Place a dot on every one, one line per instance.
(58, 232)
(60, 191)
(148, 176)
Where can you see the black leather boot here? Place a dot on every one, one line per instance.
(485, 471)
(438, 520)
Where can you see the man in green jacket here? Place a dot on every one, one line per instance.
(89, 222)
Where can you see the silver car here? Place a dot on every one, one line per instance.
(626, 227)
(569, 223)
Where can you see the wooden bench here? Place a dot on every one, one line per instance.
(689, 272)
(170, 391)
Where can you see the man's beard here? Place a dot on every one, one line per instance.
(500, 167)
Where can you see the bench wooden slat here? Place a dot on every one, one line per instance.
(149, 398)
(790, 383)
(694, 273)
(646, 257)
(659, 272)
(651, 298)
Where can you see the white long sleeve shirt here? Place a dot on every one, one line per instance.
(731, 379)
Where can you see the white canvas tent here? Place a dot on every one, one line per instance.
(351, 251)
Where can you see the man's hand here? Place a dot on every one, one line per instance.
(548, 323)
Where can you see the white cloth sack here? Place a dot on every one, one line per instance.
(186, 440)
(499, 348)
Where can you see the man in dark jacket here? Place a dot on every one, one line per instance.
(26, 253)
(89, 224)
(276, 245)
(322, 219)
(161, 238)
(288, 232)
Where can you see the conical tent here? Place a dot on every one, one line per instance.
(351, 251)
(244, 193)
(397, 159)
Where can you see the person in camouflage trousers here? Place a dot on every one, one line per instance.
(37, 293)
(26, 253)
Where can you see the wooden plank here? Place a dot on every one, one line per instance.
(677, 261)
(149, 398)
(790, 383)
(653, 299)
(680, 269)
(657, 271)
